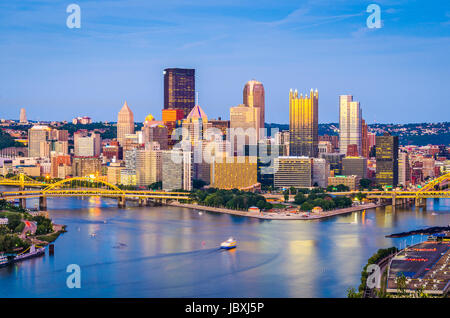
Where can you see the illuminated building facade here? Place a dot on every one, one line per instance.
(234, 172)
(387, 160)
(293, 172)
(303, 124)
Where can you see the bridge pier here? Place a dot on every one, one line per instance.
(23, 203)
(121, 202)
(43, 203)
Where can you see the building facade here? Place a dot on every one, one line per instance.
(303, 124)
(125, 123)
(387, 160)
(254, 97)
(350, 131)
(293, 172)
(179, 89)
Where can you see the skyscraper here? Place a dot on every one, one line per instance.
(387, 160)
(23, 116)
(254, 96)
(179, 89)
(248, 119)
(364, 139)
(349, 123)
(125, 123)
(303, 124)
(38, 141)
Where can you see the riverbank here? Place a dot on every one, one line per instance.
(428, 231)
(278, 216)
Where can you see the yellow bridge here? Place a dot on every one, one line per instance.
(81, 187)
(430, 190)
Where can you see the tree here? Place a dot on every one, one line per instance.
(306, 206)
(286, 197)
(351, 293)
(365, 183)
(299, 198)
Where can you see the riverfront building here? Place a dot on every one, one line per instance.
(177, 170)
(335, 161)
(293, 172)
(230, 172)
(247, 119)
(179, 89)
(148, 167)
(350, 121)
(86, 166)
(350, 181)
(303, 124)
(387, 160)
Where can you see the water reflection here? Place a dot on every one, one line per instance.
(173, 252)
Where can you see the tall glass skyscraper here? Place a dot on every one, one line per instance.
(387, 160)
(349, 124)
(179, 89)
(304, 124)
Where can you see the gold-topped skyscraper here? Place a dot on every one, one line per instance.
(125, 123)
(304, 124)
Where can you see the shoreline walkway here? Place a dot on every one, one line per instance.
(278, 216)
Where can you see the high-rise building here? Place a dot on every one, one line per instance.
(85, 166)
(114, 173)
(320, 172)
(303, 124)
(87, 146)
(23, 116)
(234, 172)
(179, 89)
(355, 166)
(404, 169)
(247, 119)
(254, 96)
(125, 123)
(38, 141)
(177, 170)
(349, 123)
(293, 172)
(155, 131)
(365, 149)
(335, 161)
(57, 161)
(387, 160)
(148, 167)
(352, 150)
(196, 124)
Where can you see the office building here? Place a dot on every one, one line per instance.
(230, 172)
(57, 161)
(334, 160)
(38, 141)
(355, 166)
(196, 125)
(113, 174)
(387, 160)
(351, 181)
(177, 170)
(86, 166)
(404, 168)
(23, 116)
(148, 167)
(293, 172)
(254, 97)
(365, 149)
(155, 131)
(245, 127)
(179, 89)
(125, 123)
(87, 146)
(303, 124)
(349, 124)
(320, 172)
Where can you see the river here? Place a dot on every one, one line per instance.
(173, 252)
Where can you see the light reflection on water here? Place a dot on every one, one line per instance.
(173, 252)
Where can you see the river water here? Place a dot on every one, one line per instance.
(173, 252)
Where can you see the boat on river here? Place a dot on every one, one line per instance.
(229, 244)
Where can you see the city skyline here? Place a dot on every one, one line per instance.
(45, 64)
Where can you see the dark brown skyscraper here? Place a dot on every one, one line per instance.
(179, 89)
(387, 160)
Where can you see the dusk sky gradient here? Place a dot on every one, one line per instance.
(399, 73)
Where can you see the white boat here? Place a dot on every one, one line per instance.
(229, 244)
(3, 260)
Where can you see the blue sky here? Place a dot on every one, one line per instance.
(399, 73)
